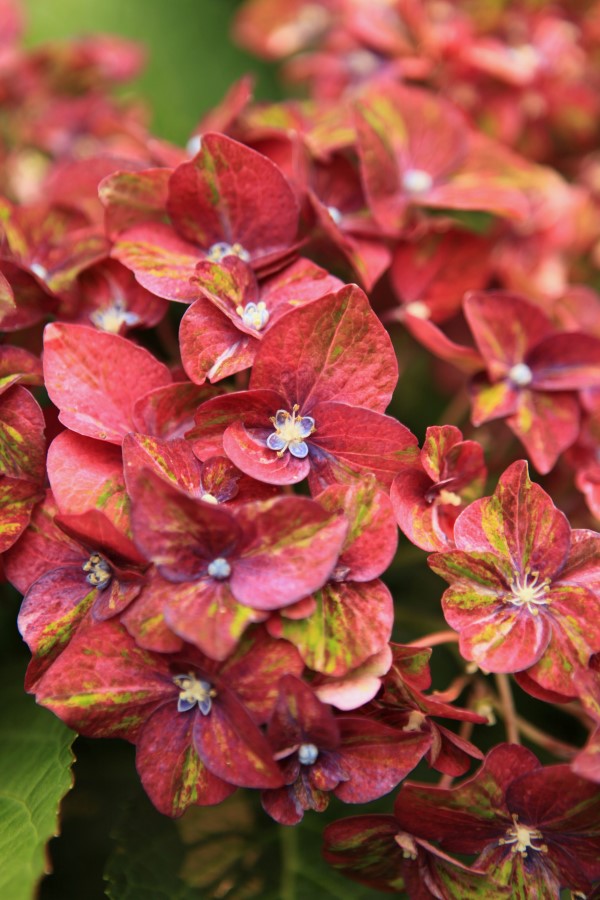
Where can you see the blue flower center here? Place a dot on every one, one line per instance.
(290, 432)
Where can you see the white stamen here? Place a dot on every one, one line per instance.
(521, 837)
(254, 315)
(449, 498)
(194, 145)
(415, 720)
(362, 62)
(39, 270)
(99, 573)
(307, 24)
(417, 181)
(521, 375)
(113, 317)
(407, 845)
(219, 568)
(221, 249)
(194, 690)
(307, 754)
(527, 590)
(290, 432)
(418, 309)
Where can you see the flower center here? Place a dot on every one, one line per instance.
(307, 754)
(528, 590)
(254, 315)
(39, 270)
(194, 690)
(194, 145)
(418, 309)
(306, 25)
(449, 498)
(340, 573)
(406, 844)
(362, 62)
(209, 498)
(335, 214)
(290, 431)
(219, 568)
(415, 720)
(521, 838)
(222, 249)
(521, 375)
(99, 573)
(111, 318)
(417, 181)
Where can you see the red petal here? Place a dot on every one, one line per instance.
(211, 345)
(334, 348)
(95, 378)
(294, 547)
(173, 775)
(86, 474)
(161, 261)
(231, 193)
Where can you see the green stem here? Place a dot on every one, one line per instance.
(289, 853)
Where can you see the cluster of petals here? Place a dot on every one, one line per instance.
(526, 827)
(201, 530)
(523, 589)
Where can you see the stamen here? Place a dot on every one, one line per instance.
(290, 431)
(113, 317)
(406, 844)
(254, 315)
(39, 270)
(99, 573)
(529, 591)
(219, 568)
(417, 181)
(521, 837)
(194, 690)
(306, 25)
(222, 249)
(449, 498)
(521, 375)
(362, 62)
(194, 145)
(415, 720)
(418, 309)
(340, 573)
(307, 754)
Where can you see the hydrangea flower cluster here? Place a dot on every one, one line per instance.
(179, 591)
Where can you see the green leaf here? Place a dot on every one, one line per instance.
(35, 761)
(232, 851)
(471, 220)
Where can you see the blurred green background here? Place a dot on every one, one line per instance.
(191, 61)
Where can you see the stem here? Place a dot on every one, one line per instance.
(289, 851)
(539, 737)
(432, 640)
(507, 707)
(456, 410)
(445, 781)
(465, 731)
